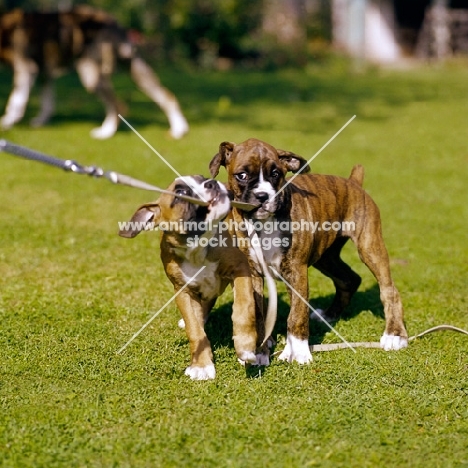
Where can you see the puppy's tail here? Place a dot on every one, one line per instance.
(357, 174)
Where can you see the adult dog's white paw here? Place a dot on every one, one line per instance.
(179, 126)
(181, 324)
(393, 342)
(201, 373)
(102, 133)
(296, 350)
(6, 122)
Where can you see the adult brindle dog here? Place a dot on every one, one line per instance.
(46, 44)
(256, 173)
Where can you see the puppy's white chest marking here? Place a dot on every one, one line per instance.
(207, 282)
(271, 241)
(272, 244)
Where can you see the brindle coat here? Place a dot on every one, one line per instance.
(256, 172)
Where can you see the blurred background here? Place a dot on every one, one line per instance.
(266, 34)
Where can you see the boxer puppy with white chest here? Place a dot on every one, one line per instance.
(183, 225)
(257, 173)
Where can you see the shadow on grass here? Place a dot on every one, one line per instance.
(324, 96)
(219, 325)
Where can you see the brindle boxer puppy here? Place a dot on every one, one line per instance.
(256, 172)
(90, 40)
(183, 254)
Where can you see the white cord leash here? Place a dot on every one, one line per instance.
(272, 309)
(376, 344)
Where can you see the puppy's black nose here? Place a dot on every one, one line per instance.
(261, 196)
(210, 184)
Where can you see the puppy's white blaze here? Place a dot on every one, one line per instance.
(201, 373)
(393, 342)
(296, 350)
(194, 185)
(181, 324)
(266, 187)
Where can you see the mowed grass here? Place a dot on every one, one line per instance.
(72, 292)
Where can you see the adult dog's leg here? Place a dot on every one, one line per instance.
(297, 340)
(95, 82)
(346, 281)
(201, 365)
(373, 253)
(149, 83)
(24, 75)
(47, 104)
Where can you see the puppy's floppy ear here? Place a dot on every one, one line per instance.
(222, 158)
(146, 216)
(293, 162)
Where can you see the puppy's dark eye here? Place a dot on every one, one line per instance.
(242, 176)
(183, 191)
(275, 173)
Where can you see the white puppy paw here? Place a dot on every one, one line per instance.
(393, 342)
(258, 360)
(201, 373)
(247, 357)
(181, 324)
(296, 350)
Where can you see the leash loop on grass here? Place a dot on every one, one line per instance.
(376, 344)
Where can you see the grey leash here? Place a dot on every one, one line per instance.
(72, 166)
(95, 171)
(67, 165)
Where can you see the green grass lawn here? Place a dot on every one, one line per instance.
(72, 292)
